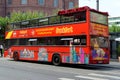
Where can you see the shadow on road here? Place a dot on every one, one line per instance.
(105, 67)
(90, 66)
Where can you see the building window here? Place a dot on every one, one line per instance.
(23, 1)
(9, 2)
(0, 1)
(41, 2)
(55, 3)
(71, 5)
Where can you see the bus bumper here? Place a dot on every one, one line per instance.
(99, 62)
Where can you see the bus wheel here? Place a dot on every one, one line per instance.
(56, 60)
(16, 56)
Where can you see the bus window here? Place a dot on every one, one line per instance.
(23, 41)
(10, 27)
(100, 41)
(83, 40)
(76, 41)
(80, 16)
(66, 41)
(32, 41)
(98, 18)
(11, 42)
(41, 41)
(80, 40)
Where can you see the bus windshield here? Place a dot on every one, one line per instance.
(98, 18)
(99, 41)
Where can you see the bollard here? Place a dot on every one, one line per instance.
(119, 58)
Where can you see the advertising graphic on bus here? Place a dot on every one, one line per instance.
(75, 36)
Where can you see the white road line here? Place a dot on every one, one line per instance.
(65, 79)
(91, 78)
(112, 72)
(108, 76)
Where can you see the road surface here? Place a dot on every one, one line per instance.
(22, 70)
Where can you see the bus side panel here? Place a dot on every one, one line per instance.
(38, 53)
(77, 55)
(68, 54)
(6, 53)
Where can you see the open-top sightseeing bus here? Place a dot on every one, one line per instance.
(76, 36)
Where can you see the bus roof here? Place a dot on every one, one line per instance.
(75, 10)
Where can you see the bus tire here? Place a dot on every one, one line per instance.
(15, 56)
(56, 59)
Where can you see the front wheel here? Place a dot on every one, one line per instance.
(56, 60)
(15, 56)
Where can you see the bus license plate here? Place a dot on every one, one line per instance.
(100, 62)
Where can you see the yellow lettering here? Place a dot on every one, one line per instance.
(64, 30)
(23, 32)
(44, 29)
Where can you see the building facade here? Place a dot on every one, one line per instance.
(114, 44)
(113, 35)
(114, 21)
(46, 6)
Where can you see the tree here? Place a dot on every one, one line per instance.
(3, 24)
(114, 28)
(20, 16)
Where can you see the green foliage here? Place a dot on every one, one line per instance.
(20, 16)
(3, 24)
(114, 28)
(54, 12)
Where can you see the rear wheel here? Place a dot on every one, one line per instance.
(16, 56)
(56, 60)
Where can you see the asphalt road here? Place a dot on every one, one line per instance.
(22, 70)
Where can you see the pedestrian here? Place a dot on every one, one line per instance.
(1, 50)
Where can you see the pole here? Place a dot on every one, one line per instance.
(5, 8)
(63, 1)
(98, 5)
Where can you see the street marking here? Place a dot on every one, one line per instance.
(112, 72)
(100, 75)
(66, 79)
(91, 78)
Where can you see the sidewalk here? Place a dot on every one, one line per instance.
(115, 64)
(3, 58)
(114, 60)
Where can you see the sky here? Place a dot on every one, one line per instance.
(110, 6)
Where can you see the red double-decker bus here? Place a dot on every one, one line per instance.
(77, 36)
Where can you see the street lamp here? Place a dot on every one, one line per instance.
(97, 5)
(63, 2)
